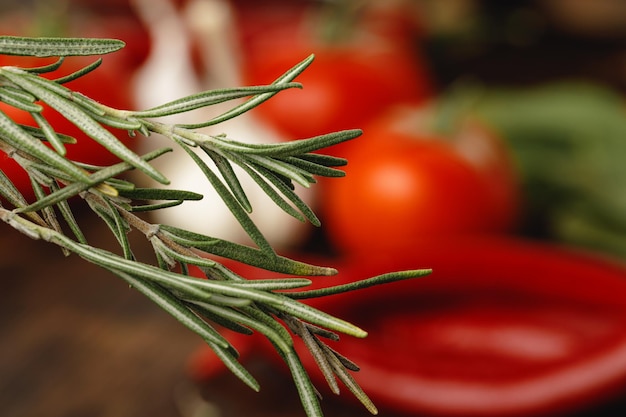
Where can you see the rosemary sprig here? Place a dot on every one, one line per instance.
(222, 297)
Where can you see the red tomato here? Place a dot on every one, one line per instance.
(350, 81)
(403, 186)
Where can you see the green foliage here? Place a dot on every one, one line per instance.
(224, 298)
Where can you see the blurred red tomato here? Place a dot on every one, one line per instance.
(404, 185)
(351, 80)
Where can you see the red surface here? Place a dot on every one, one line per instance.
(500, 328)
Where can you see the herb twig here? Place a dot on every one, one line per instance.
(221, 297)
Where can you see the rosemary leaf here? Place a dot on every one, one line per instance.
(313, 345)
(235, 367)
(49, 133)
(137, 193)
(176, 308)
(357, 285)
(319, 331)
(281, 168)
(129, 124)
(122, 228)
(265, 186)
(317, 317)
(197, 260)
(155, 206)
(45, 47)
(307, 392)
(349, 381)
(347, 363)
(258, 314)
(46, 68)
(325, 160)
(208, 98)
(274, 284)
(66, 212)
(111, 218)
(231, 202)
(286, 78)
(244, 254)
(10, 192)
(19, 102)
(291, 195)
(197, 306)
(77, 74)
(230, 178)
(48, 213)
(285, 149)
(76, 187)
(312, 167)
(282, 341)
(36, 132)
(20, 139)
(164, 263)
(79, 117)
(122, 186)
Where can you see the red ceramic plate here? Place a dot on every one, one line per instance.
(500, 328)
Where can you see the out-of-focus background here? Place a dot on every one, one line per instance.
(494, 151)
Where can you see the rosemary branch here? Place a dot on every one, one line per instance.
(223, 297)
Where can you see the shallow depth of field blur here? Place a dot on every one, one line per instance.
(493, 151)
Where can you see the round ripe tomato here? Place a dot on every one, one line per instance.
(342, 89)
(402, 186)
(348, 83)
